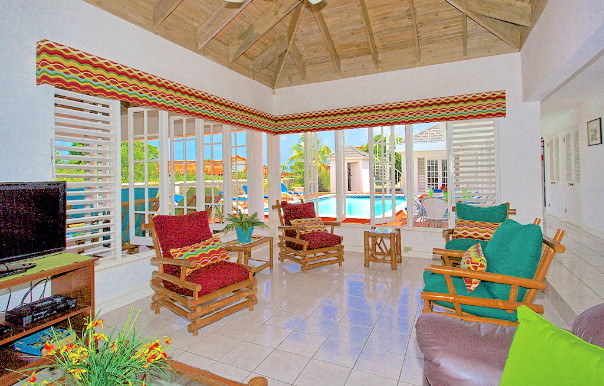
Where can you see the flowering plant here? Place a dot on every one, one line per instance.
(95, 359)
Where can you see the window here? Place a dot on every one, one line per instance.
(86, 155)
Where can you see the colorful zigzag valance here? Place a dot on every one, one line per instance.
(76, 70)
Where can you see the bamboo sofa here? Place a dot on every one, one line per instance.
(206, 294)
(518, 257)
(310, 250)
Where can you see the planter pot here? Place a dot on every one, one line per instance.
(244, 237)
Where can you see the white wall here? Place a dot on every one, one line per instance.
(592, 162)
(24, 110)
(567, 36)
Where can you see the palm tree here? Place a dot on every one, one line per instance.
(297, 162)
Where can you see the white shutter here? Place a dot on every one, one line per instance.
(568, 158)
(422, 183)
(577, 156)
(474, 173)
(557, 159)
(87, 156)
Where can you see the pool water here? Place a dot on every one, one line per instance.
(359, 205)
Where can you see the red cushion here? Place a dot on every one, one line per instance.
(294, 211)
(211, 277)
(181, 231)
(318, 240)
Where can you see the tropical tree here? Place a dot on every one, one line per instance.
(138, 153)
(296, 162)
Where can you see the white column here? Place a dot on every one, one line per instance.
(255, 175)
(227, 167)
(273, 160)
(410, 183)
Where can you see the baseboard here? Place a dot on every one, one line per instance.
(124, 300)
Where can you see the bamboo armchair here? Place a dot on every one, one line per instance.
(206, 295)
(301, 248)
(458, 304)
(139, 205)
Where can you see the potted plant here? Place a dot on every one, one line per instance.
(243, 225)
(120, 358)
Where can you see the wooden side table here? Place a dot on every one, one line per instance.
(378, 251)
(244, 251)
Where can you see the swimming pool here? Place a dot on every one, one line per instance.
(358, 205)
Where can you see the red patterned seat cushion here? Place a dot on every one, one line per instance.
(211, 277)
(318, 240)
(181, 231)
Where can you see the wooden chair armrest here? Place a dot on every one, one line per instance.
(176, 281)
(290, 228)
(293, 240)
(178, 262)
(448, 252)
(332, 223)
(146, 227)
(447, 233)
(489, 276)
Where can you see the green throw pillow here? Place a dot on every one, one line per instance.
(514, 250)
(543, 354)
(497, 213)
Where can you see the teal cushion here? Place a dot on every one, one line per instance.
(497, 213)
(464, 244)
(514, 250)
(436, 283)
(543, 354)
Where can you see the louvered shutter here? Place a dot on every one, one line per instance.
(86, 152)
(474, 173)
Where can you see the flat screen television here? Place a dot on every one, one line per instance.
(32, 219)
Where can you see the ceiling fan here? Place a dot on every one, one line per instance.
(243, 1)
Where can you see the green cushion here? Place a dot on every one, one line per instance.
(436, 283)
(542, 354)
(514, 250)
(497, 213)
(464, 244)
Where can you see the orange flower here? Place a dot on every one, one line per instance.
(167, 340)
(32, 378)
(94, 324)
(77, 372)
(98, 337)
(49, 348)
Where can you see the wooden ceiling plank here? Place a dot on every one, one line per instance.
(509, 33)
(512, 11)
(162, 9)
(217, 20)
(465, 30)
(265, 22)
(415, 29)
(291, 35)
(368, 31)
(270, 54)
(316, 10)
(298, 59)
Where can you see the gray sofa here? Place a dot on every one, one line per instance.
(457, 352)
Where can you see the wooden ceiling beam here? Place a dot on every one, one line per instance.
(415, 30)
(291, 35)
(368, 31)
(298, 59)
(271, 53)
(512, 11)
(217, 20)
(280, 63)
(316, 10)
(265, 22)
(162, 9)
(508, 32)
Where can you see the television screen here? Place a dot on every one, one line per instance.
(32, 219)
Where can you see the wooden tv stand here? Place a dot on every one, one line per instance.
(70, 275)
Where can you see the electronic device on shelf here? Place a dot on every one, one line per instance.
(29, 313)
(32, 220)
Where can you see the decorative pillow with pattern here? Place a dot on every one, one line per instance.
(204, 253)
(310, 225)
(473, 259)
(477, 230)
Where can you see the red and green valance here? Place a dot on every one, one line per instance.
(64, 66)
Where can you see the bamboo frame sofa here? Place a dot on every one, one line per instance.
(310, 250)
(504, 287)
(206, 294)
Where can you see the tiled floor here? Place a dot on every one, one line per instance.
(576, 277)
(334, 326)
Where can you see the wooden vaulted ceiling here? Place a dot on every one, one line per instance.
(282, 43)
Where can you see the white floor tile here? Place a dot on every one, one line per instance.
(318, 373)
